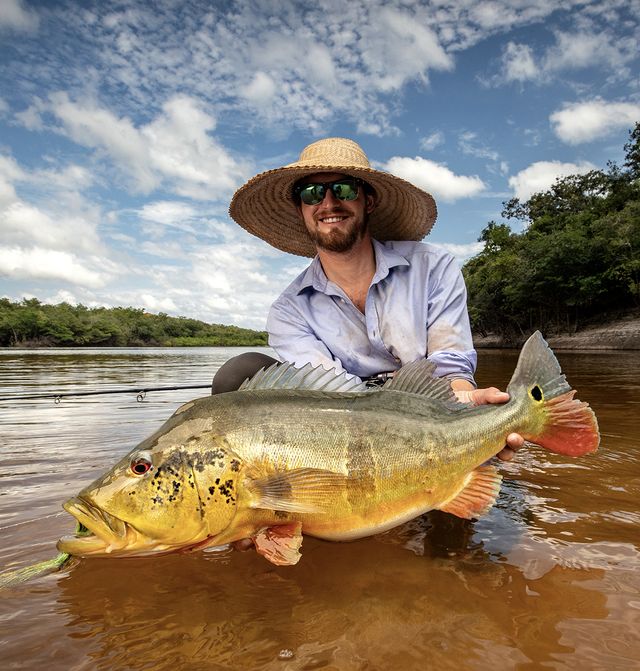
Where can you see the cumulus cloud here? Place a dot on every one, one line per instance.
(590, 46)
(462, 252)
(435, 178)
(575, 50)
(541, 175)
(586, 121)
(176, 149)
(47, 264)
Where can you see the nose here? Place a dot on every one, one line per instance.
(329, 199)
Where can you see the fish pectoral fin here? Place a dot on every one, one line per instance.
(302, 490)
(478, 494)
(281, 544)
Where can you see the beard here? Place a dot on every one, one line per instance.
(340, 239)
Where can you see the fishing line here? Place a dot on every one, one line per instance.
(36, 519)
(140, 392)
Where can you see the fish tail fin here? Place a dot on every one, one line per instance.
(556, 420)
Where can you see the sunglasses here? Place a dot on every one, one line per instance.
(314, 192)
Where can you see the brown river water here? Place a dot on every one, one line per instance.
(549, 579)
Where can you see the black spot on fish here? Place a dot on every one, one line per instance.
(536, 392)
(281, 514)
(217, 481)
(235, 465)
(157, 499)
(212, 490)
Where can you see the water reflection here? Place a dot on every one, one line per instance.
(549, 579)
(362, 605)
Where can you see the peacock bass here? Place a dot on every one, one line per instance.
(306, 451)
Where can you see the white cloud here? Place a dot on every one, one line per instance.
(399, 48)
(430, 142)
(461, 252)
(166, 212)
(47, 264)
(577, 50)
(541, 175)
(518, 64)
(175, 149)
(260, 90)
(154, 304)
(588, 46)
(435, 178)
(587, 121)
(15, 16)
(469, 144)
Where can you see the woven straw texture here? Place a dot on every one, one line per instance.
(264, 206)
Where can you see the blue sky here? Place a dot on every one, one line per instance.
(126, 126)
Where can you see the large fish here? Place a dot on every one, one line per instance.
(305, 451)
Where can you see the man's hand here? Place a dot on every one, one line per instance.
(481, 397)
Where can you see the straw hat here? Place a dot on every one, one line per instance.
(265, 207)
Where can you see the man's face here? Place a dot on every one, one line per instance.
(336, 225)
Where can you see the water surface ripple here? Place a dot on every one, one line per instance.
(550, 578)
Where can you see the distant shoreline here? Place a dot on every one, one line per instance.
(621, 334)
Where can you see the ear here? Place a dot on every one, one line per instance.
(369, 203)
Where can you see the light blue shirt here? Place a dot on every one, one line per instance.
(416, 307)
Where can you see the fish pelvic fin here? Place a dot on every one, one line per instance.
(557, 421)
(280, 544)
(301, 490)
(478, 494)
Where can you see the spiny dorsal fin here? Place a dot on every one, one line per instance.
(418, 378)
(287, 376)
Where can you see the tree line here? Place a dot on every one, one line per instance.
(31, 323)
(576, 261)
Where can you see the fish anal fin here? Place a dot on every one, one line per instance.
(477, 496)
(280, 544)
(301, 490)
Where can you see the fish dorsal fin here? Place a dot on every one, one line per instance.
(419, 378)
(288, 376)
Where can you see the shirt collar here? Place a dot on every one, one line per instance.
(386, 258)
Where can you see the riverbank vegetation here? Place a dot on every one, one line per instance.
(30, 323)
(576, 261)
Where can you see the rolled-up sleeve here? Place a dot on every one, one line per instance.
(449, 340)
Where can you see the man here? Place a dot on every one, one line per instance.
(373, 299)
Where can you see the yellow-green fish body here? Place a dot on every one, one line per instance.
(280, 458)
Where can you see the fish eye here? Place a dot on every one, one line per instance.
(140, 465)
(536, 392)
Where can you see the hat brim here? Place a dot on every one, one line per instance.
(265, 207)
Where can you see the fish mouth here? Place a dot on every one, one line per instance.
(98, 531)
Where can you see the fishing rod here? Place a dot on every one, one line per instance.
(140, 392)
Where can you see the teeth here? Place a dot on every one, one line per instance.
(331, 220)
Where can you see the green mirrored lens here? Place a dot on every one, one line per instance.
(312, 194)
(345, 190)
